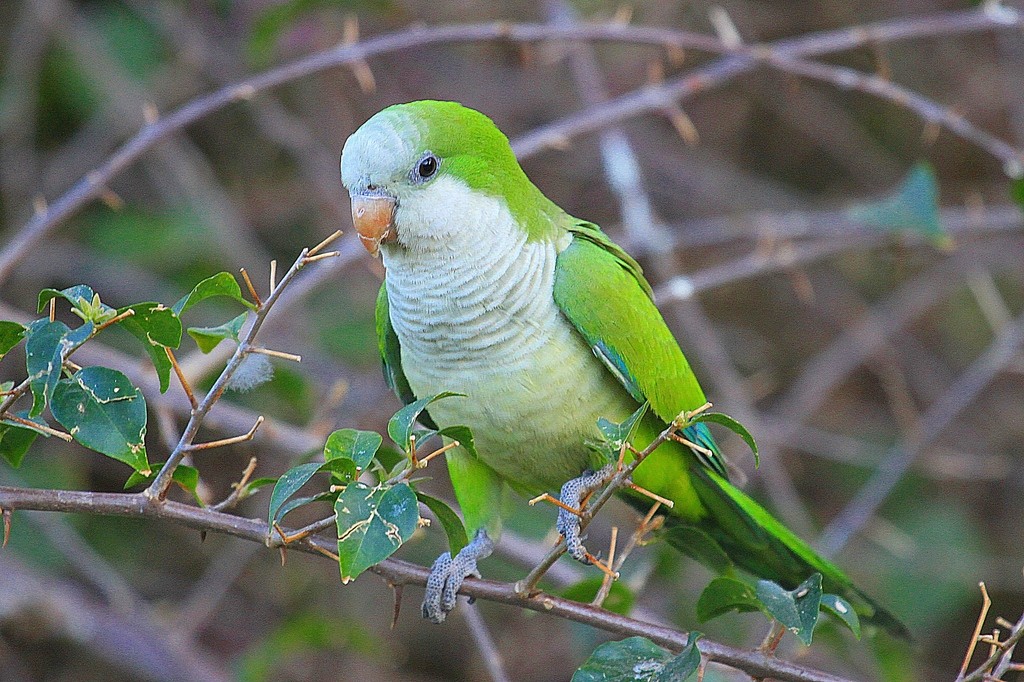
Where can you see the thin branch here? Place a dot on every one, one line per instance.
(485, 643)
(652, 98)
(398, 572)
(158, 489)
(936, 419)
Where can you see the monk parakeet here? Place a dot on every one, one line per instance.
(545, 326)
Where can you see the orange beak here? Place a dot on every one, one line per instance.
(374, 218)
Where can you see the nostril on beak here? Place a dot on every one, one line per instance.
(372, 188)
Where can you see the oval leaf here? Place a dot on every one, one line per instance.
(400, 426)
(358, 446)
(157, 327)
(287, 485)
(10, 334)
(103, 411)
(798, 609)
(221, 284)
(683, 665)
(841, 609)
(464, 435)
(734, 426)
(634, 659)
(372, 524)
(449, 520)
(14, 442)
(726, 594)
(208, 338)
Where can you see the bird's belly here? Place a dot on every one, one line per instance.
(531, 414)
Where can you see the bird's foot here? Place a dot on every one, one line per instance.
(572, 495)
(447, 574)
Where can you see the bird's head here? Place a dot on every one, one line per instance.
(405, 167)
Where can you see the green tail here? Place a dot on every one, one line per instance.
(717, 524)
(758, 543)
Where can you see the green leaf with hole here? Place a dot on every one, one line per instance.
(734, 426)
(637, 659)
(15, 440)
(449, 520)
(44, 349)
(620, 598)
(103, 411)
(187, 477)
(372, 524)
(796, 609)
(287, 485)
(157, 327)
(11, 334)
(841, 609)
(724, 594)
(208, 338)
(401, 425)
(222, 284)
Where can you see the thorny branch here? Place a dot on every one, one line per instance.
(785, 55)
(398, 572)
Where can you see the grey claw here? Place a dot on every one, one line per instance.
(447, 574)
(568, 524)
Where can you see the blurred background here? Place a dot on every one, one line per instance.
(845, 277)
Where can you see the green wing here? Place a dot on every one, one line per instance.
(391, 351)
(603, 293)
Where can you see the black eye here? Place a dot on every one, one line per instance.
(427, 167)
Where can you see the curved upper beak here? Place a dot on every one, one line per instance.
(374, 218)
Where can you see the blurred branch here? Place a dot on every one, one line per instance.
(398, 572)
(657, 98)
(935, 420)
(482, 636)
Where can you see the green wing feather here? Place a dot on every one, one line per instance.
(602, 291)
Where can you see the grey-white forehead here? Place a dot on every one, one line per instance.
(383, 147)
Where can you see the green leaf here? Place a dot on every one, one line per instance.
(372, 524)
(683, 665)
(634, 659)
(15, 441)
(358, 446)
(221, 284)
(463, 434)
(617, 434)
(80, 297)
(734, 426)
(252, 486)
(105, 413)
(912, 207)
(449, 520)
(287, 485)
(841, 609)
(184, 475)
(724, 594)
(400, 426)
(207, 338)
(157, 327)
(620, 598)
(11, 334)
(46, 343)
(798, 609)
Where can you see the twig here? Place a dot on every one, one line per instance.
(182, 379)
(237, 489)
(400, 572)
(248, 435)
(939, 415)
(158, 488)
(485, 643)
(646, 99)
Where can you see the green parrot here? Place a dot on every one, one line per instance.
(544, 325)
